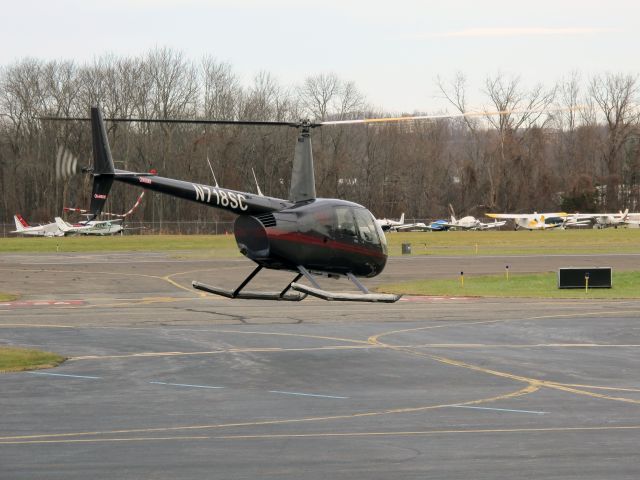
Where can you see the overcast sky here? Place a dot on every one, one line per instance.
(393, 50)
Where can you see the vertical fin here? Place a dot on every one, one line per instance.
(303, 183)
(20, 222)
(103, 170)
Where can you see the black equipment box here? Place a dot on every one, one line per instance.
(576, 277)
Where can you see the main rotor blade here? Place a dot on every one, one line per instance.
(307, 124)
(185, 120)
(483, 113)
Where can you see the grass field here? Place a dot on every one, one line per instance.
(14, 359)
(542, 285)
(212, 245)
(522, 242)
(422, 243)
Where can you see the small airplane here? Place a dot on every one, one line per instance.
(466, 223)
(91, 227)
(96, 227)
(471, 223)
(46, 230)
(387, 224)
(606, 220)
(535, 220)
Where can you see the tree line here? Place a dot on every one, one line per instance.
(571, 146)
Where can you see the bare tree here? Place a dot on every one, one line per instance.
(615, 96)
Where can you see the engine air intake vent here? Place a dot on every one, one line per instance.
(267, 219)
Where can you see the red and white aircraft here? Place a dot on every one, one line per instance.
(46, 230)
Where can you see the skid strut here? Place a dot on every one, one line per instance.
(249, 295)
(365, 296)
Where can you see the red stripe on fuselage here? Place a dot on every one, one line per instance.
(297, 237)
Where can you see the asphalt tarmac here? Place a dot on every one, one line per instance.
(164, 382)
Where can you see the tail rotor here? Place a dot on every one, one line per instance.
(66, 164)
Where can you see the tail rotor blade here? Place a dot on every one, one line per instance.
(66, 164)
(59, 163)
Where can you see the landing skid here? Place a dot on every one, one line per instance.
(365, 296)
(248, 295)
(346, 297)
(304, 290)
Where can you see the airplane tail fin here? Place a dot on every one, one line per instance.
(62, 225)
(21, 223)
(103, 169)
(402, 218)
(624, 214)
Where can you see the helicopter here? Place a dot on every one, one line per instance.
(303, 234)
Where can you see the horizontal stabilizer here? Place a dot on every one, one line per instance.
(346, 297)
(291, 297)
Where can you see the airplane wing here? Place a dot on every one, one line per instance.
(490, 225)
(516, 216)
(416, 227)
(509, 216)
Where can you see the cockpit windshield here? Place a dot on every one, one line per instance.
(366, 226)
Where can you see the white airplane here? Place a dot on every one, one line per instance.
(93, 227)
(388, 224)
(399, 225)
(472, 223)
(535, 220)
(605, 220)
(46, 230)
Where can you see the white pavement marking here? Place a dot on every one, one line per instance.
(64, 375)
(305, 394)
(184, 385)
(499, 409)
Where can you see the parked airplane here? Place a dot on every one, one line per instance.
(46, 230)
(605, 220)
(535, 220)
(435, 226)
(96, 227)
(93, 227)
(60, 228)
(388, 224)
(472, 223)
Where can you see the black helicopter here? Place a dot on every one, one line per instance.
(303, 234)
